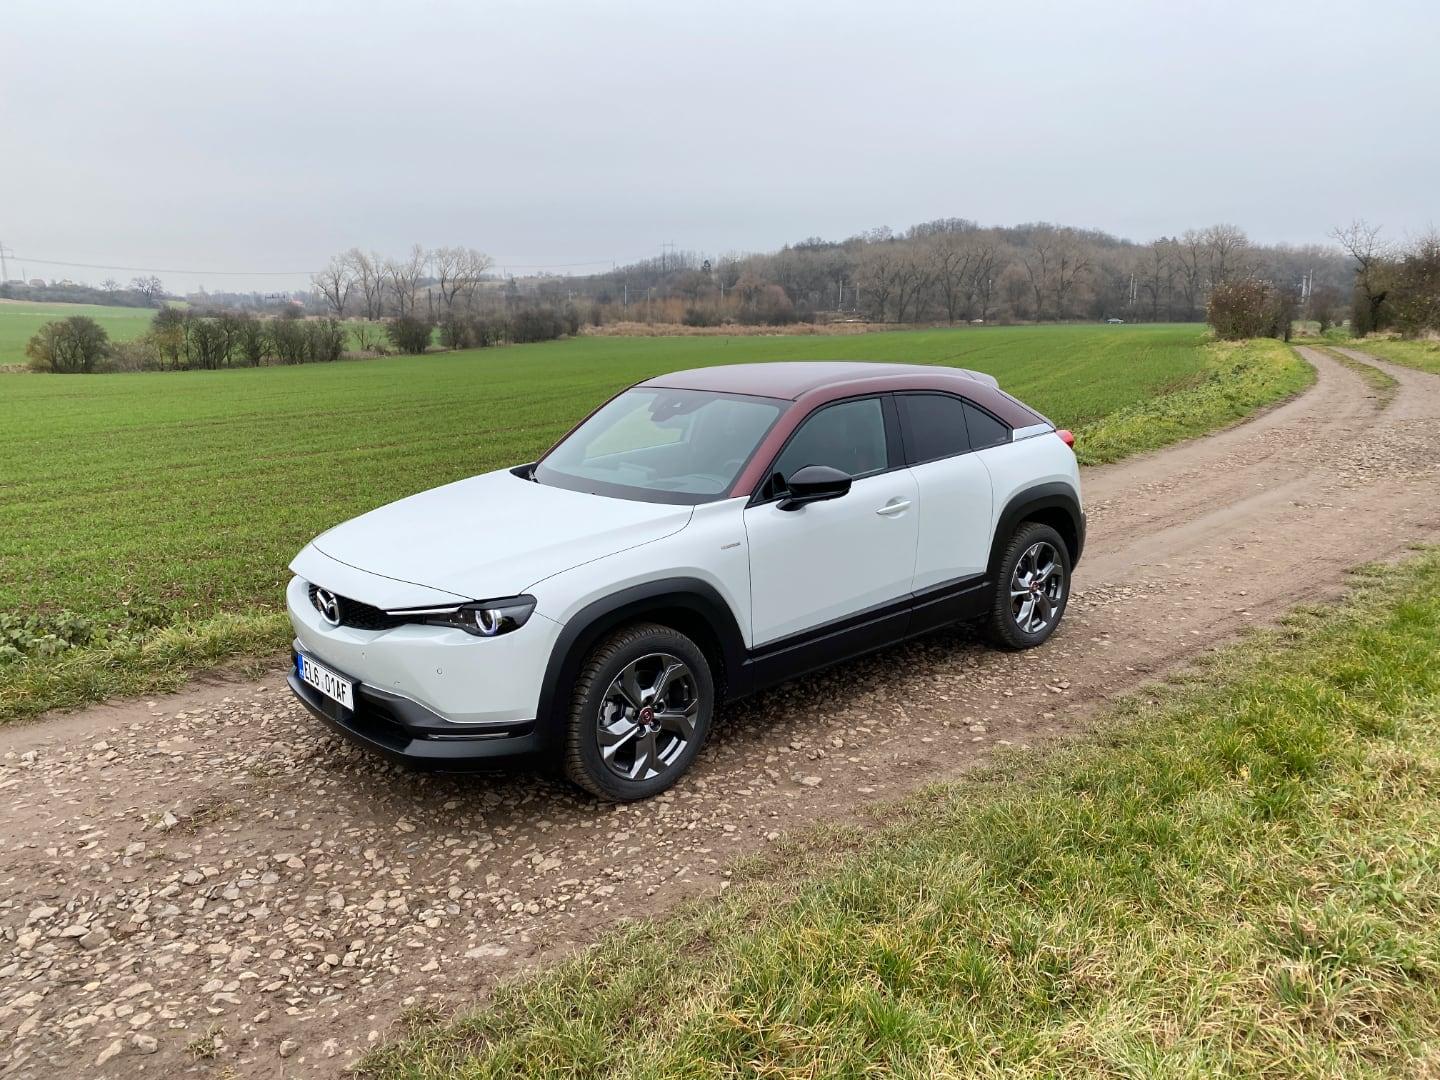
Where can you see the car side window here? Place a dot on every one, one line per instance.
(849, 436)
(985, 430)
(934, 427)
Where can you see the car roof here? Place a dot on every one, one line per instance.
(792, 379)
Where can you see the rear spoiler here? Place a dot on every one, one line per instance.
(980, 377)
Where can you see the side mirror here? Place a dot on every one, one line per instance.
(814, 483)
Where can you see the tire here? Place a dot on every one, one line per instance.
(641, 711)
(1012, 623)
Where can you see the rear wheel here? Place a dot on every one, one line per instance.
(641, 711)
(1032, 587)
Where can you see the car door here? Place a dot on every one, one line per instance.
(957, 512)
(827, 560)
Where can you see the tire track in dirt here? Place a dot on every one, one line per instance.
(210, 871)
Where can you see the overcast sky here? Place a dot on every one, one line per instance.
(263, 136)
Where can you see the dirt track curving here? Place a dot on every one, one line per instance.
(211, 872)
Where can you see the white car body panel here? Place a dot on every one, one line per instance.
(957, 516)
(1015, 466)
(712, 548)
(312, 564)
(831, 559)
(493, 535)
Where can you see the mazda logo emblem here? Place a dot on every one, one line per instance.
(328, 604)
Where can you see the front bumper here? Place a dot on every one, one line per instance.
(405, 731)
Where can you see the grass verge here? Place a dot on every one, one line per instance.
(1382, 382)
(1239, 377)
(1423, 355)
(1238, 875)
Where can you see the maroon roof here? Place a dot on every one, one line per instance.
(793, 379)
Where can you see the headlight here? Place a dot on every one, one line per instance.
(485, 618)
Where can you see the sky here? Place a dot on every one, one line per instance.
(239, 145)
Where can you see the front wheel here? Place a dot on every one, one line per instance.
(1032, 587)
(641, 711)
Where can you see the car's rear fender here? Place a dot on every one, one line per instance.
(1055, 503)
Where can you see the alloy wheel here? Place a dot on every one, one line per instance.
(1036, 588)
(647, 716)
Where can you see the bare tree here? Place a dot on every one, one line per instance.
(987, 268)
(1157, 278)
(1362, 243)
(369, 274)
(952, 258)
(1072, 266)
(335, 283)
(151, 288)
(1227, 252)
(1190, 257)
(911, 279)
(403, 277)
(111, 287)
(457, 271)
(876, 278)
(1039, 263)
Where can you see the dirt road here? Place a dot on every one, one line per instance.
(209, 881)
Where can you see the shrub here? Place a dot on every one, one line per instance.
(138, 355)
(289, 342)
(68, 346)
(1250, 308)
(250, 339)
(543, 324)
(207, 345)
(702, 316)
(409, 334)
(455, 332)
(324, 340)
(487, 330)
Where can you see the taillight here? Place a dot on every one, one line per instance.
(1067, 436)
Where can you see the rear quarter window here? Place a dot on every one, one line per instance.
(985, 431)
(934, 427)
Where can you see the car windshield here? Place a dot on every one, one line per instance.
(659, 445)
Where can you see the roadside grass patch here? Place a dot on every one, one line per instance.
(1423, 354)
(1238, 874)
(163, 508)
(1383, 383)
(1238, 378)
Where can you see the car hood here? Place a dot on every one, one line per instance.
(492, 535)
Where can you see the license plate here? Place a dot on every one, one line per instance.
(326, 681)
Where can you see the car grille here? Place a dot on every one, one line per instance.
(360, 616)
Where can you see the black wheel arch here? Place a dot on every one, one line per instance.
(689, 605)
(1055, 504)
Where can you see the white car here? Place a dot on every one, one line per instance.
(698, 537)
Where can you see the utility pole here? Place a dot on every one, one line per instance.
(665, 248)
(4, 270)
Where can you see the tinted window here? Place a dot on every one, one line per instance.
(849, 437)
(985, 430)
(934, 426)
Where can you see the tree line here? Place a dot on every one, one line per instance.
(953, 270)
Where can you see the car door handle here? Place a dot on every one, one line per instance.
(893, 507)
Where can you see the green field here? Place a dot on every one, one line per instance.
(163, 508)
(1238, 877)
(19, 320)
